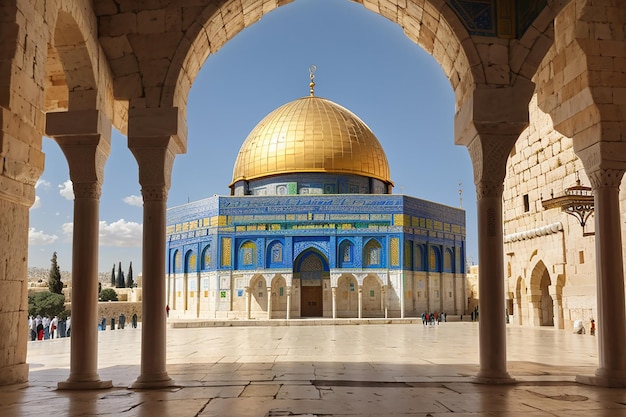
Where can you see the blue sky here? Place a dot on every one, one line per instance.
(364, 63)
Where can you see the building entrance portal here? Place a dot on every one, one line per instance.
(311, 273)
(547, 304)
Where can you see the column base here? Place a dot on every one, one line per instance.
(84, 385)
(162, 381)
(602, 378)
(15, 374)
(493, 378)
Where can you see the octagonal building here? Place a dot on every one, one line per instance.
(311, 229)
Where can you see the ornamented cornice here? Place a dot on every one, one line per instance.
(533, 233)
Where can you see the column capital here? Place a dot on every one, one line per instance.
(85, 138)
(159, 122)
(155, 158)
(489, 122)
(606, 178)
(154, 192)
(486, 189)
(87, 190)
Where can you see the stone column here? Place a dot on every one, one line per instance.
(269, 303)
(85, 138)
(383, 299)
(334, 295)
(611, 320)
(154, 140)
(360, 309)
(248, 302)
(492, 325)
(288, 312)
(402, 297)
(488, 122)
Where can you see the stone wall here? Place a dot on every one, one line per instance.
(541, 166)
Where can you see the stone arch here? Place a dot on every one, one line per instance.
(372, 296)
(347, 296)
(279, 295)
(542, 302)
(258, 289)
(520, 307)
(432, 25)
(77, 74)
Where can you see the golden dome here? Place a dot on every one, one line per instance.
(311, 134)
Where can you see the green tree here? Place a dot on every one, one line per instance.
(120, 277)
(129, 281)
(108, 294)
(113, 282)
(46, 303)
(54, 277)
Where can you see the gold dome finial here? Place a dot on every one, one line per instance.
(312, 70)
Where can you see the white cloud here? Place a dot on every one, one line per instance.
(133, 200)
(66, 190)
(37, 203)
(39, 237)
(119, 233)
(42, 183)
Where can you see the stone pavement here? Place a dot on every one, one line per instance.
(326, 370)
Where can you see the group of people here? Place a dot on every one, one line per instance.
(43, 328)
(121, 322)
(433, 318)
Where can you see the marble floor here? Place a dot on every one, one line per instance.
(389, 370)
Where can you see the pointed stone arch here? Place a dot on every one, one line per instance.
(541, 300)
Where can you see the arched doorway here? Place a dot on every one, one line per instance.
(310, 267)
(543, 304)
(546, 318)
(518, 301)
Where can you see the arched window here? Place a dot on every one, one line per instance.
(434, 259)
(408, 254)
(448, 265)
(247, 254)
(206, 257)
(178, 261)
(346, 253)
(190, 262)
(277, 253)
(372, 253)
(420, 258)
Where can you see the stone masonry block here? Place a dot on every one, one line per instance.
(151, 21)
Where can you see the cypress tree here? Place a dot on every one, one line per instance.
(120, 276)
(129, 281)
(113, 276)
(54, 277)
